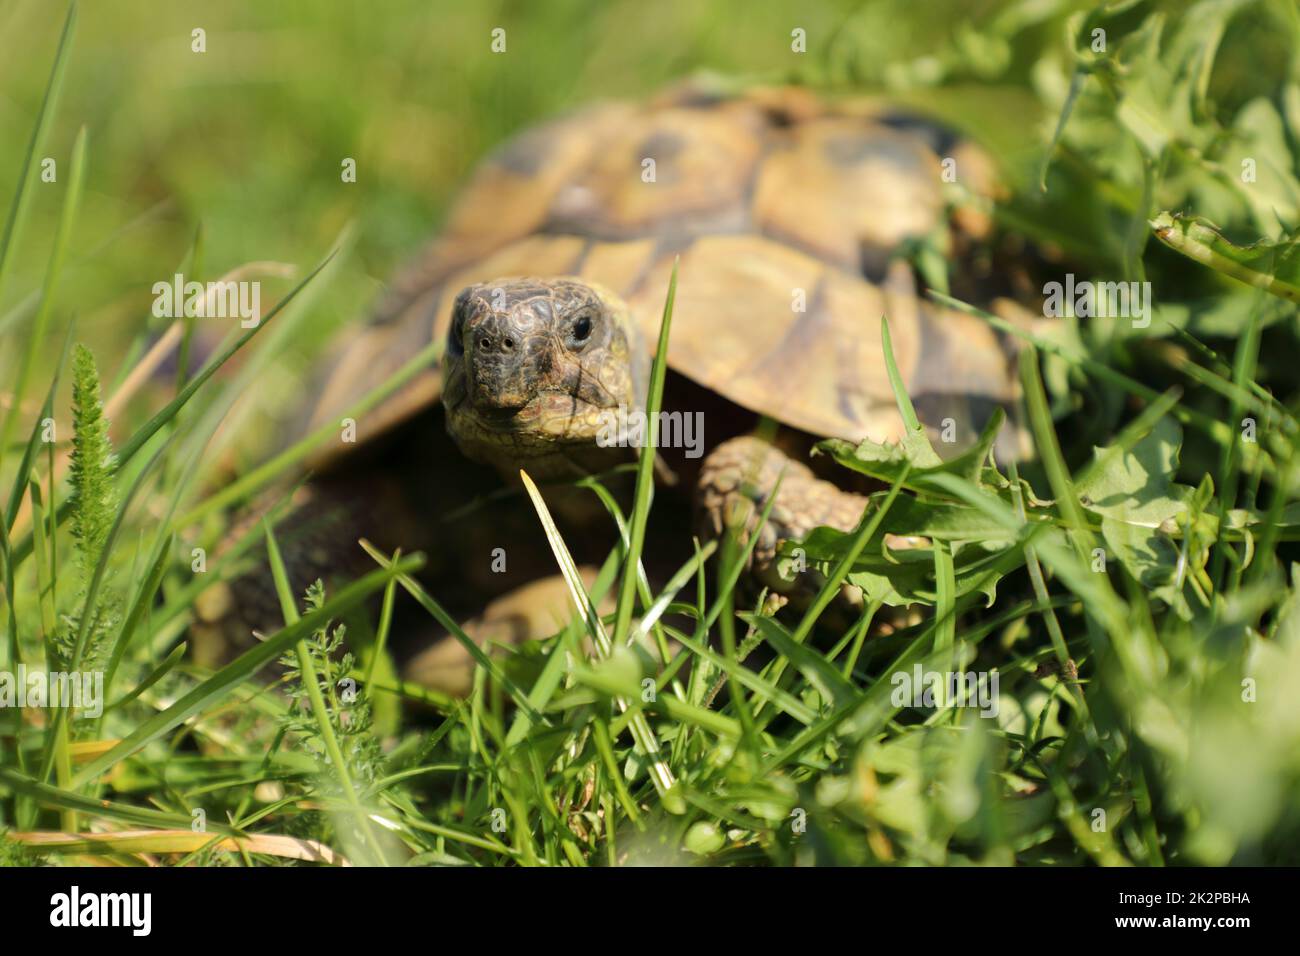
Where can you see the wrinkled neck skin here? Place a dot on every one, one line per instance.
(552, 439)
(554, 465)
(543, 460)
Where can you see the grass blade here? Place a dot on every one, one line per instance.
(645, 468)
(53, 275)
(319, 710)
(22, 197)
(237, 671)
(642, 733)
(905, 408)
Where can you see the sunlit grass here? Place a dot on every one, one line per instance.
(1136, 604)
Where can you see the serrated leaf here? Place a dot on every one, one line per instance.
(888, 462)
(911, 581)
(1271, 265)
(1137, 486)
(1151, 557)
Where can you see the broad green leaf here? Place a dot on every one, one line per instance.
(905, 576)
(1262, 151)
(914, 454)
(1137, 487)
(916, 517)
(1151, 556)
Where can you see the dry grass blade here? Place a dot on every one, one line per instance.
(642, 733)
(181, 841)
(148, 365)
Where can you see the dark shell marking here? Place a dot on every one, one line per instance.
(761, 194)
(764, 194)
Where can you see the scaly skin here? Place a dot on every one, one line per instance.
(735, 483)
(533, 363)
(532, 366)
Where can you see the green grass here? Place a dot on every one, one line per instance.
(1148, 547)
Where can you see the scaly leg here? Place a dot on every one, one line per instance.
(734, 486)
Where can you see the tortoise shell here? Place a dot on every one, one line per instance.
(787, 211)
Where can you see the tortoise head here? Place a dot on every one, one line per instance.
(534, 367)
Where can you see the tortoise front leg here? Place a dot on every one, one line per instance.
(735, 484)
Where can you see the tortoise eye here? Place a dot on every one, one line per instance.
(581, 331)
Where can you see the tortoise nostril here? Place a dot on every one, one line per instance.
(507, 344)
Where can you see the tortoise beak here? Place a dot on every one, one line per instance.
(504, 367)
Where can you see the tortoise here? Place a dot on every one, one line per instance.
(788, 215)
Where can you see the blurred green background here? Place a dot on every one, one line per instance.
(247, 138)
